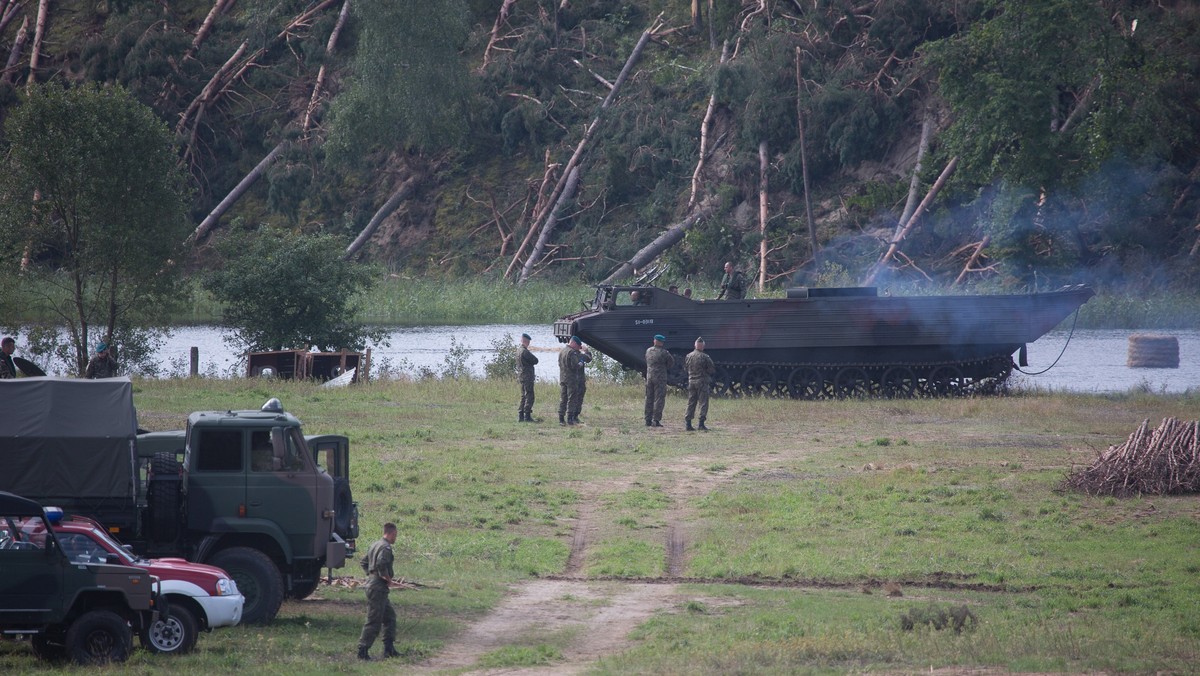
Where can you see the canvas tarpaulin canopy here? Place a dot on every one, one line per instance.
(64, 437)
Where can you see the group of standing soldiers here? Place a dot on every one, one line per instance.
(574, 357)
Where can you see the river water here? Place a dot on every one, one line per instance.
(1093, 361)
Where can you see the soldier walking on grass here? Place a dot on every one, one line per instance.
(700, 369)
(658, 362)
(571, 380)
(380, 614)
(525, 376)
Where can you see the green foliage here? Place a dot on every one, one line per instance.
(91, 192)
(281, 290)
(410, 86)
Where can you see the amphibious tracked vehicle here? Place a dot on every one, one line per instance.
(828, 342)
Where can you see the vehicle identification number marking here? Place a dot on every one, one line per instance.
(639, 322)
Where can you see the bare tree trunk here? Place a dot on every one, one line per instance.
(234, 195)
(10, 66)
(501, 19)
(8, 12)
(35, 51)
(697, 22)
(704, 129)
(712, 34)
(895, 244)
(762, 215)
(974, 257)
(553, 204)
(548, 228)
(537, 207)
(207, 92)
(812, 225)
(914, 184)
(329, 47)
(577, 156)
(217, 10)
(672, 236)
(402, 193)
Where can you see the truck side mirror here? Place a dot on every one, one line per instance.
(278, 444)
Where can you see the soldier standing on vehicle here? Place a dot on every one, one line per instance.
(658, 362)
(525, 376)
(380, 614)
(733, 284)
(7, 368)
(700, 369)
(572, 383)
(102, 365)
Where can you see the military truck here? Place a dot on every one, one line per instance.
(245, 491)
(84, 611)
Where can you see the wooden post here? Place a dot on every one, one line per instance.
(194, 362)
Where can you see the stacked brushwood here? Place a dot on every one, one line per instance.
(1164, 461)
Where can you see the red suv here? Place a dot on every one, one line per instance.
(199, 596)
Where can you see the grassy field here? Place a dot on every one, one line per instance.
(833, 536)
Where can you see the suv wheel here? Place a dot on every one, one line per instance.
(173, 635)
(257, 579)
(99, 637)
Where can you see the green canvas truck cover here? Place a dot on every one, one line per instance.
(68, 438)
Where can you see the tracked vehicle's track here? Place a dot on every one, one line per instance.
(858, 380)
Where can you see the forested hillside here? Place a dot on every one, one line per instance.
(988, 143)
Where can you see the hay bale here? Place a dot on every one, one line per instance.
(1148, 350)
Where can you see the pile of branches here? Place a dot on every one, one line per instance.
(1165, 461)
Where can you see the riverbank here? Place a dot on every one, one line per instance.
(795, 537)
(405, 302)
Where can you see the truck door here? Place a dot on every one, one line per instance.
(216, 478)
(281, 484)
(31, 587)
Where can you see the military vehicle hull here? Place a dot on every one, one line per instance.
(828, 342)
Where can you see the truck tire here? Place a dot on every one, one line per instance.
(173, 635)
(343, 507)
(257, 578)
(164, 498)
(99, 637)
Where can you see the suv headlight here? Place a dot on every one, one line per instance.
(226, 587)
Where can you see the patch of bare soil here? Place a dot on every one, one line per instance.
(586, 620)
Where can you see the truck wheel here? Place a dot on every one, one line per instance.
(164, 498)
(257, 578)
(99, 637)
(174, 635)
(46, 649)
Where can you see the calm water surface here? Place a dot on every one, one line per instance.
(1094, 360)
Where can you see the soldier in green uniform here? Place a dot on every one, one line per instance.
(380, 614)
(658, 362)
(526, 360)
(700, 369)
(8, 369)
(102, 365)
(571, 379)
(733, 284)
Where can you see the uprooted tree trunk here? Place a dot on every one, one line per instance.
(895, 243)
(402, 193)
(10, 66)
(914, 185)
(234, 195)
(669, 238)
(567, 194)
(249, 179)
(554, 203)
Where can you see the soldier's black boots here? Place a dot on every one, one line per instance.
(521, 417)
(649, 422)
(657, 424)
(362, 653)
(689, 425)
(702, 427)
(561, 420)
(389, 650)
